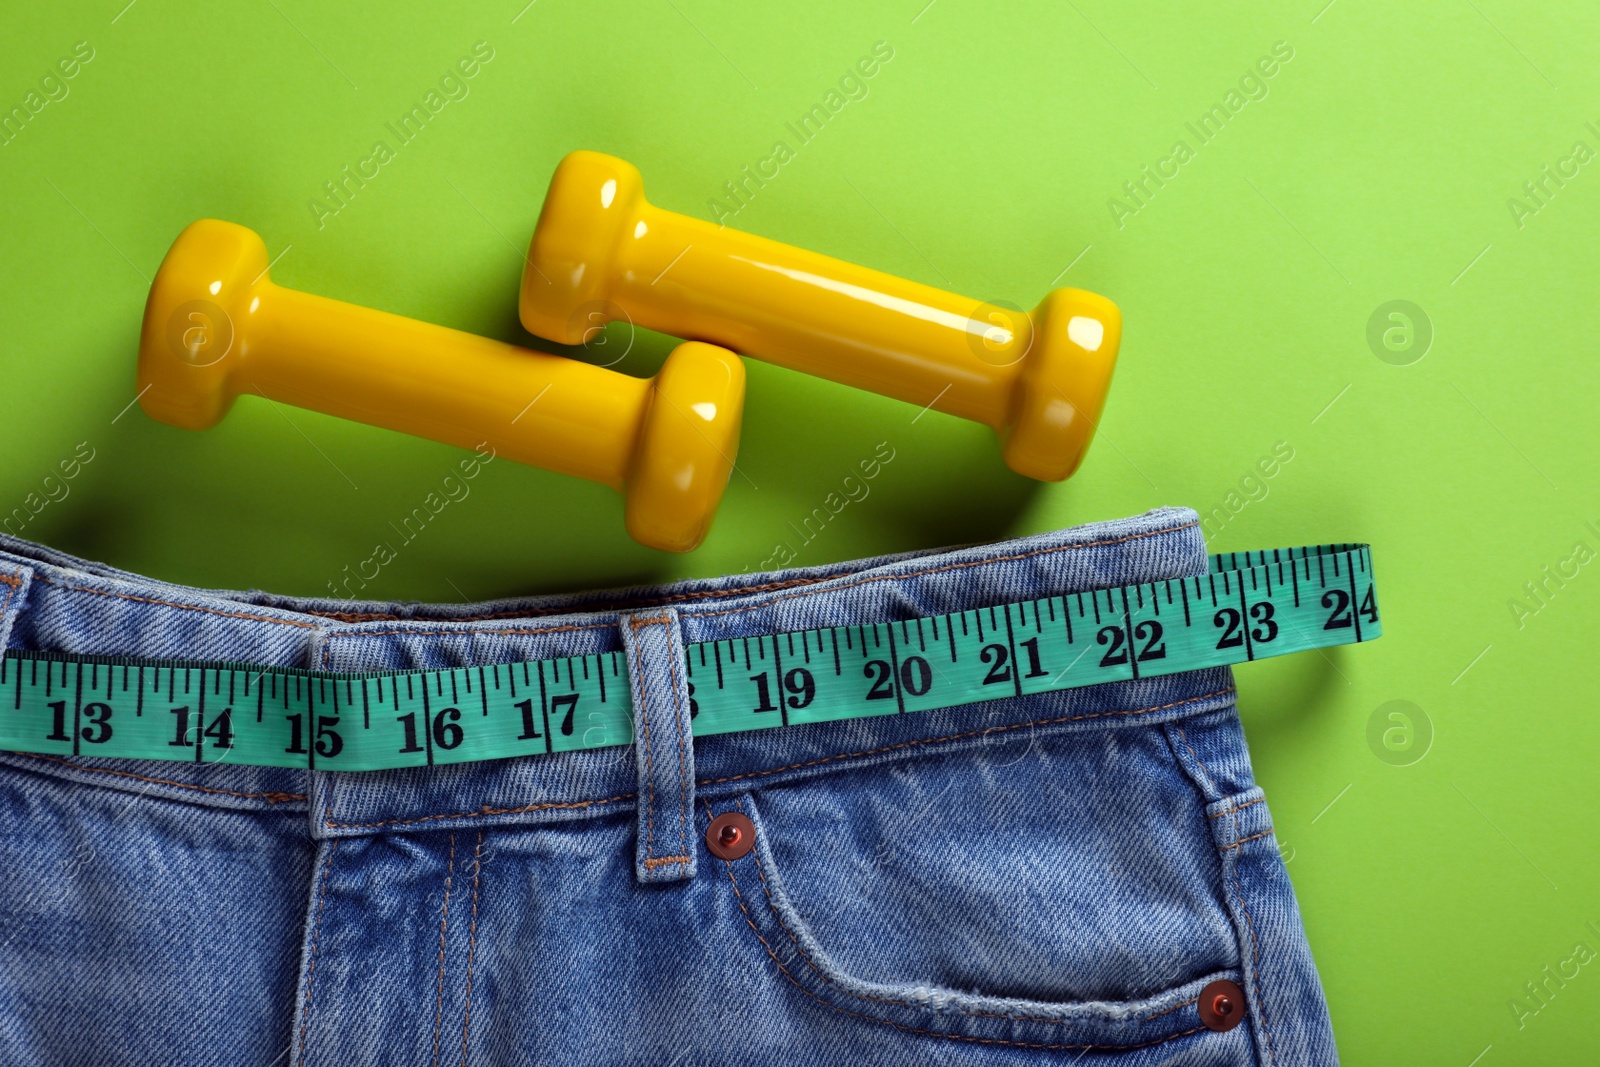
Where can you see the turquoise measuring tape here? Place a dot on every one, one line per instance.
(1250, 606)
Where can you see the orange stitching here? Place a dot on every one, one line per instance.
(1255, 945)
(619, 605)
(472, 944)
(693, 594)
(270, 798)
(649, 770)
(1255, 972)
(1211, 783)
(569, 805)
(316, 938)
(374, 616)
(939, 570)
(468, 633)
(181, 607)
(680, 728)
(739, 898)
(1243, 840)
(1169, 1011)
(444, 924)
(485, 810)
(1232, 811)
(969, 733)
(701, 594)
(766, 888)
(651, 863)
(15, 583)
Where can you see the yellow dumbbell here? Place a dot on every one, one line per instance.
(601, 251)
(216, 326)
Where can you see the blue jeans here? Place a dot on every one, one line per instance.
(1041, 880)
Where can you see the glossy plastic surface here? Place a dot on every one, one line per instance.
(216, 326)
(602, 251)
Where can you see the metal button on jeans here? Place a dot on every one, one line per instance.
(1222, 1005)
(730, 836)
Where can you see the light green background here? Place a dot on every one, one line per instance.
(1378, 167)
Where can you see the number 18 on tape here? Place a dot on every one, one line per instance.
(1249, 606)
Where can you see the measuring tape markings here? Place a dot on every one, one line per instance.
(269, 716)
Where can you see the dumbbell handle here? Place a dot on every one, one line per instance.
(889, 335)
(216, 326)
(419, 378)
(601, 250)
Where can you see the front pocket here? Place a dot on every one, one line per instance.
(1002, 894)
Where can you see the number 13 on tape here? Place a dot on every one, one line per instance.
(1247, 607)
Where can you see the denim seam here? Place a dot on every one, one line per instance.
(470, 633)
(316, 938)
(1210, 783)
(766, 888)
(651, 861)
(623, 605)
(1169, 1011)
(683, 770)
(969, 733)
(472, 944)
(175, 604)
(937, 570)
(13, 583)
(696, 615)
(444, 926)
(552, 805)
(697, 594)
(739, 898)
(1242, 840)
(270, 798)
(564, 805)
(1255, 972)
(649, 766)
(1233, 811)
(1255, 944)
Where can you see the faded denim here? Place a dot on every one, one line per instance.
(1043, 880)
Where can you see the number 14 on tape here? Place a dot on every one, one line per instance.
(1248, 607)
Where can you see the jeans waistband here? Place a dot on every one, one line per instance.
(53, 602)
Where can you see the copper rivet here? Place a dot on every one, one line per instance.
(1221, 1005)
(730, 836)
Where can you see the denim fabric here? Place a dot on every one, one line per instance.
(1039, 880)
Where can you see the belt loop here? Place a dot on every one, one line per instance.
(663, 744)
(14, 582)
